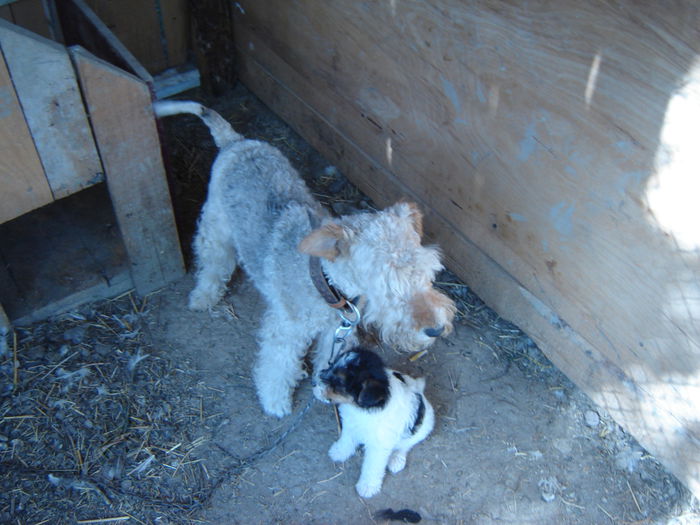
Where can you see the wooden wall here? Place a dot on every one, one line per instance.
(156, 33)
(553, 145)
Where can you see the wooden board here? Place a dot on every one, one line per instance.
(535, 142)
(24, 186)
(81, 26)
(155, 32)
(124, 126)
(31, 15)
(53, 109)
(175, 23)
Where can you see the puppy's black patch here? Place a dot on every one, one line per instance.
(359, 373)
(420, 414)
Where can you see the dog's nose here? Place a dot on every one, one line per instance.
(434, 331)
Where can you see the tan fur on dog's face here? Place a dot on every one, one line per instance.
(379, 257)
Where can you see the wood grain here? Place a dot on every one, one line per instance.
(30, 14)
(124, 126)
(47, 88)
(24, 185)
(534, 136)
(157, 38)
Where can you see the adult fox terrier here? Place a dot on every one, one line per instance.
(259, 214)
(380, 408)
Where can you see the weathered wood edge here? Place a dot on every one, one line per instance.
(121, 114)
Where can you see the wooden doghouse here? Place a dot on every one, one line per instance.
(554, 146)
(68, 121)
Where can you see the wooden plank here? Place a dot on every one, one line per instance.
(24, 185)
(81, 26)
(30, 14)
(175, 20)
(155, 32)
(601, 274)
(124, 126)
(53, 109)
(118, 284)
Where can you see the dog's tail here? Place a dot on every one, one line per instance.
(220, 129)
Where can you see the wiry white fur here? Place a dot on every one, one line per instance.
(385, 433)
(257, 214)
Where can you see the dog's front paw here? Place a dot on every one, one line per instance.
(277, 408)
(340, 451)
(397, 462)
(201, 301)
(367, 489)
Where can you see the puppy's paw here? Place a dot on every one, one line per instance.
(397, 462)
(367, 489)
(340, 451)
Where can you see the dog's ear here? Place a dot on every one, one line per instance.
(412, 211)
(328, 241)
(374, 393)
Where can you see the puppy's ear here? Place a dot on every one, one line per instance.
(328, 241)
(374, 393)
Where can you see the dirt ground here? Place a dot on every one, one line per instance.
(139, 411)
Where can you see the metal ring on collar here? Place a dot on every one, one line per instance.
(355, 313)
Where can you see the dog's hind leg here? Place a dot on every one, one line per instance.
(283, 343)
(215, 258)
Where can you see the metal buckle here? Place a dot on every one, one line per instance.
(347, 323)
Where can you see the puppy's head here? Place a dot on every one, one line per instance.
(358, 377)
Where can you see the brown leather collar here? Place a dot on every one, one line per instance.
(330, 293)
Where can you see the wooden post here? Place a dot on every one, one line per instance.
(120, 110)
(212, 31)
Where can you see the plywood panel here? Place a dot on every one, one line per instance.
(47, 88)
(81, 26)
(537, 135)
(174, 16)
(124, 126)
(24, 186)
(30, 14)
(5, 13)
(155, 32)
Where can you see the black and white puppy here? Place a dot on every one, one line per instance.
(381, 409)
